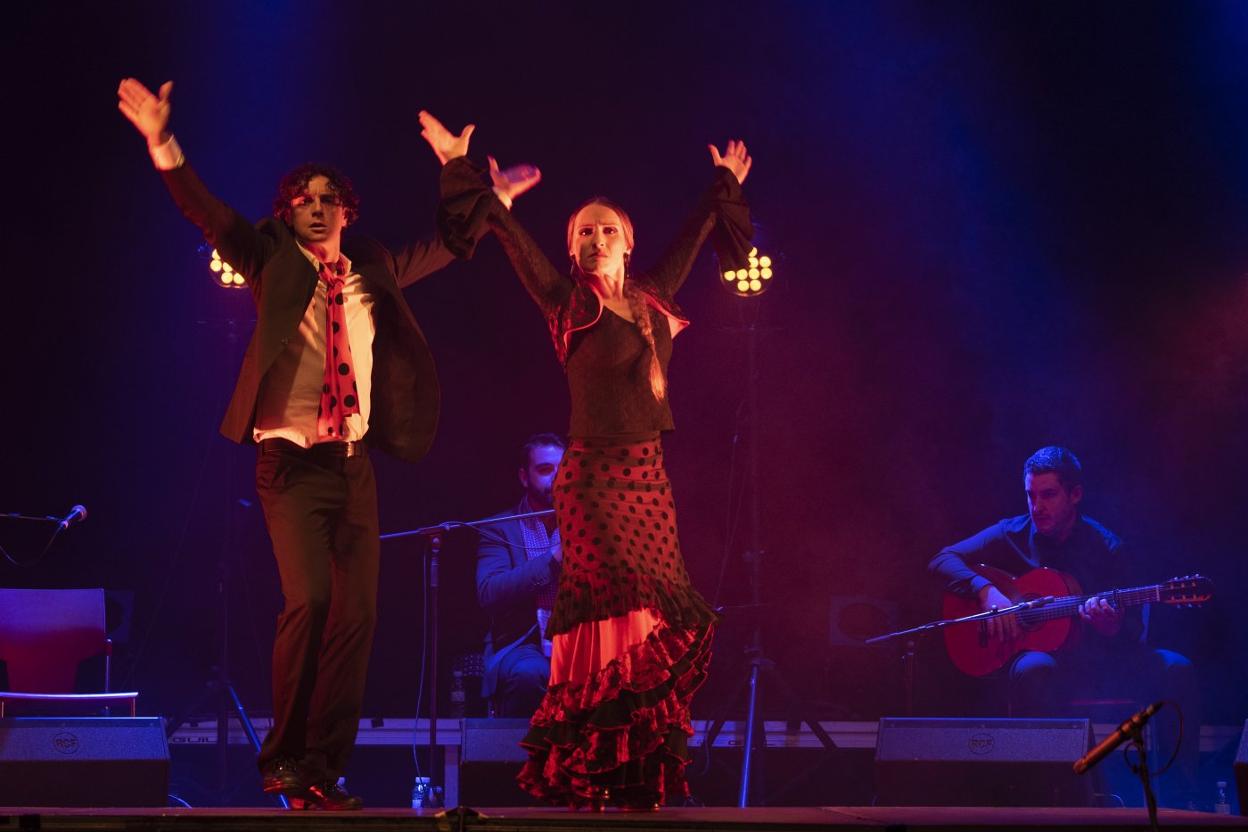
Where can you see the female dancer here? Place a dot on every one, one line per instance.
(631, 635)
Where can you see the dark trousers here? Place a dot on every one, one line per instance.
(321, 513)
(523, 674)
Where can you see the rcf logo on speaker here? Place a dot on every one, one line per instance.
(65, 743)
(980, 743)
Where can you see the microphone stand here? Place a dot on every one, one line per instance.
(758, 668)
(38, 518)
(1141, 769)
(433, 537)
(1131, 732)
(62, 523)
(219, 688)
(915, 634)
(1135, 741)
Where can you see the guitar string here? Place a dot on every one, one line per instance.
(1066, 606)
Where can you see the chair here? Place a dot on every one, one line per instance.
(44, 635)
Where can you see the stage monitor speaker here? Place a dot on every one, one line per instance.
(1241, 771)
(83, 761)
(493, 741)
(981, 762)
(490, 759)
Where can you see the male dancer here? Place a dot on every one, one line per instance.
(337, 364)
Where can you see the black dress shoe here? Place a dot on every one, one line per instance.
(284, 776)
(331, 797)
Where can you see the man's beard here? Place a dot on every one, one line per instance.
(545, 497)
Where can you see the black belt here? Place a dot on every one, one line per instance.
(324, 450)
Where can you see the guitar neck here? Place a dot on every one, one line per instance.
(1069, 605)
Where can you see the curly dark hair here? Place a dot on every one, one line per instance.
(1054, 459)
(295, 182)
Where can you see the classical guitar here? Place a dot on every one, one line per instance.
(1051, 625)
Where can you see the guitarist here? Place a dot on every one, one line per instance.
(1109, 657)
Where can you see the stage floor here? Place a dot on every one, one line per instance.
(790, 819)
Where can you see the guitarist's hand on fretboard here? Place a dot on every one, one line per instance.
(1003, 627)
(1048, 624)
(1103, 616)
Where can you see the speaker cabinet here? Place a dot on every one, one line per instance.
(493, 741)
(981, 762)
(490, 759)
(83, 761)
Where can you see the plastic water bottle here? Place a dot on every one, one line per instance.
(458, 696)
(420, 793)
(1222, 804)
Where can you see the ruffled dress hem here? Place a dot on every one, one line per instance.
(620, 735)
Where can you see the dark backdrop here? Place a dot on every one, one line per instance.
(999, 226)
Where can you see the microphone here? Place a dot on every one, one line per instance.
(76, 515)
(1121, 734)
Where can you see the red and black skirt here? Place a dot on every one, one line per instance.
(631, 636)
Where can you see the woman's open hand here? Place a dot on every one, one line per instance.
(446, 145)
(513, 181)
(735, 159)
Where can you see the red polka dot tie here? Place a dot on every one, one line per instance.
(339, 397)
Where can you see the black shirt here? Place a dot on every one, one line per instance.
(609, 377)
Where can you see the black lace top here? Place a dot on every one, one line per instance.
(605, 356)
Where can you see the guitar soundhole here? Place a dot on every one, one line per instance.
(1029, 619)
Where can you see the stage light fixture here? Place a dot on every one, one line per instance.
(224, 274)
(753, 279)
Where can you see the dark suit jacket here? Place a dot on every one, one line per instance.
(405, 391)
(507, 587)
